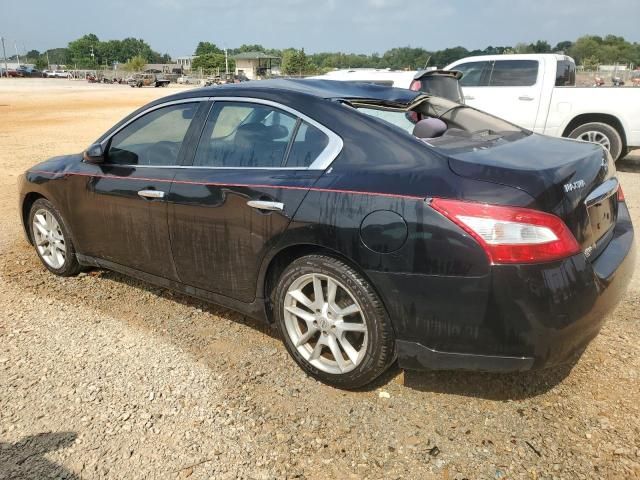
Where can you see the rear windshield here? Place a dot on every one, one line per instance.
(453, 124)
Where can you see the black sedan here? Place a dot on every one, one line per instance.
(368, 223)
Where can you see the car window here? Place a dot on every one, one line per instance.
(240, 134)
(307, 146)
(565, 73)
(154, 139)
(475, 73)
(399, 119)
(514, 73)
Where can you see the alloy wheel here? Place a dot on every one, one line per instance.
(49, 239)
(325, 323)
(596, 137)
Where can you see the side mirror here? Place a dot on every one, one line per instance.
(94, 154)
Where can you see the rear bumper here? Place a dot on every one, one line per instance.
(534, 316)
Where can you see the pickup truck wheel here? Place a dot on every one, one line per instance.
(601, 133)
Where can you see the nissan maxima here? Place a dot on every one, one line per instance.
(369, 224)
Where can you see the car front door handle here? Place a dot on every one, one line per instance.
(525, 98)
(265, 205)
(469, 97)
(151, 194)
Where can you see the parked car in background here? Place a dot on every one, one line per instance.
(147, 80)
(186, 80)
(453, 241)
(57, 74)
(377, 76)
(29, 71)
(538, 92)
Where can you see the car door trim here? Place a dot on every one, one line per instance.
(322, 161)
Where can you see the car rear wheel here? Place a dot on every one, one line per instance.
(332, 322)
(600, 133)
(52, 240)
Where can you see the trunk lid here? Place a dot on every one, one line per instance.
(573, 180)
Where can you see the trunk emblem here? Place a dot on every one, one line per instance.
(570, 187)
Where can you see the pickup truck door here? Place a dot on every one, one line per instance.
(508, 89)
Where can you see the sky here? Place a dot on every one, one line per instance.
(360, 26)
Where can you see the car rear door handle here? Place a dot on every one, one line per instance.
(469, 97)
(151, 194)
(525, 98)
(264, 205)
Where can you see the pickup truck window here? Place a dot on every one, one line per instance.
(565, 73)
(475, 74)
(514, 73)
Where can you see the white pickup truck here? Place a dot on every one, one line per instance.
(538, 92)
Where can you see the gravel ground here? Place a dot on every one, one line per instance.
(102, 376)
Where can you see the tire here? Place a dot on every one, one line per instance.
(367, 332)
(601, 133)
(44, 210)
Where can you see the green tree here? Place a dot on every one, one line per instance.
(540, 46)
(212, 63)
(563, 46)
(296, 62)
(80, 51)
(207, 48)
(136, 64)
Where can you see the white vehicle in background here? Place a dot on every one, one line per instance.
(379, 76)
(56, 74)
(186, 80)
(538, 92)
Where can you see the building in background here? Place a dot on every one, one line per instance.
(185, 62)
(255, 65)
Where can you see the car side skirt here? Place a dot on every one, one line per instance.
(254, 309)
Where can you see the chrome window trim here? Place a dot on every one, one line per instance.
(143, 113)
(322, 161)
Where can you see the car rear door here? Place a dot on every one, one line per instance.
(254, 164)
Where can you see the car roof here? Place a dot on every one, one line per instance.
(324, 89)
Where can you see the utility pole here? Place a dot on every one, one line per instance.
(4, 55)
(226, 61)
(48, 63)
(15, 45)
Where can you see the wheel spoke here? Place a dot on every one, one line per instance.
(317, 350)
(337, 354)
(332, 288)
(351, 352)
(350, 310)
(41, 227)
(351, 327)
(306, 336)
(302, 314)
(317, 291)
(300, 297)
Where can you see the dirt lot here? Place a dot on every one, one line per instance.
(103, 376)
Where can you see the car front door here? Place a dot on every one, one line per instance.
(253, 166)
(123, 216)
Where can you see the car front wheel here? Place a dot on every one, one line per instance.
(52, 240)
(332, 322)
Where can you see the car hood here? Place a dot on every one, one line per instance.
(58, 164)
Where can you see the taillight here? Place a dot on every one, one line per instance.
(511, 234)
(416, 85)
(620, 194)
